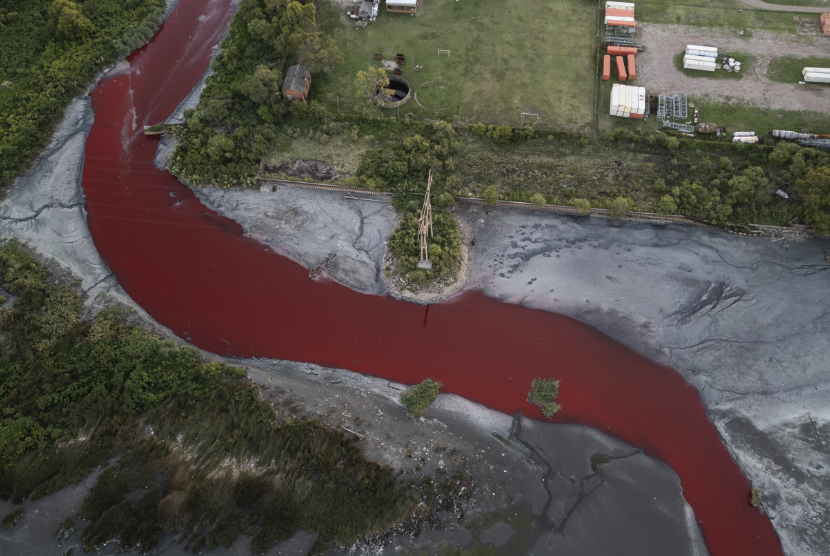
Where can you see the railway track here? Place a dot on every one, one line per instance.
(605, 213)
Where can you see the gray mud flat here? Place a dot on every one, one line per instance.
(745, 320)
(307, 225)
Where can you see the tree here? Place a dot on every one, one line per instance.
(503, 135)
(815, 188)
(263, 85)
(582, 206)
(620, 207)
(320, 54)
(537, 199)
(219, 146)
(296, 25)
(67, 22)
(490, 196)
(666, 205)
(372, 83)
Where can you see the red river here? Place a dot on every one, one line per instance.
(196, 273)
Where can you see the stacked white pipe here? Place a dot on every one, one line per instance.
(628, 102)
(816, 75)
(702, 58)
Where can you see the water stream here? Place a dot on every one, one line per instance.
(196, 273)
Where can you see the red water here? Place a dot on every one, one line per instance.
(194, 272)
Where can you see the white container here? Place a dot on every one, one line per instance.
(805, 71)
(619, 6)
(697, 58)
(744, 134)
(700, 66)
(817, 78)
(744, 139)
(617, 18)
(708, 51)
(615, 98)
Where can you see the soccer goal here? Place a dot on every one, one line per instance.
(531, 115)
(447, 52)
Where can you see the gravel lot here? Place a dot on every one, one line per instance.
(656, 71)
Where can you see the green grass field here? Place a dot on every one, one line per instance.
(720, 73)
(787, 69)
(716, 13)
(524, 56)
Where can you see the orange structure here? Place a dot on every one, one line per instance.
(621, 69)
(606, 67)
(621, 50)
(825, 24)
(632, 71)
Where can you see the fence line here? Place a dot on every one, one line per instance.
(606, 213)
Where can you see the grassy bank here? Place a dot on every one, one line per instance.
(730, 14)
(42, 66)
(787, 69)
(199, 450)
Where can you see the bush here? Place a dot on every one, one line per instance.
(503, 135)
(479, 129)
(582, 205)
(543, 392)
(490, 196)
(620, 207)
(755, 497)
(666, 205)
(537, 199)
(11, 518)
(418, 398)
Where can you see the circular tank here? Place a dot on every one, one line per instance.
(400, 92)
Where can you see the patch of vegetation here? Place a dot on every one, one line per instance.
(200, 451)
(509, 42)
(745, 59)
(444, 246)
(237, 121)
(11, 518)
(49, 51)
(418, 398)
(544, 392)
(716, 13)
(755, 497)
(788, 69)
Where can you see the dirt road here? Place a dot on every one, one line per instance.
(658, 74)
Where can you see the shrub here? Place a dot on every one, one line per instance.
(666, 205)
(479, 130)
(503, 135)
(537, 199)
(11, 518)
(620, 207)
(490, 196)
(418, 398)
(582, 205)
(543, 392)
(755, 497)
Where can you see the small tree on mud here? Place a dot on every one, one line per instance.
(418, 398)
(543, 392)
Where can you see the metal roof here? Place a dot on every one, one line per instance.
(402, 2)
(295, 78)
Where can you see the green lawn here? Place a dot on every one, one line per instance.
(716, 13)
(720, 73)
(740, 117)
(787, 69)
(524, 56)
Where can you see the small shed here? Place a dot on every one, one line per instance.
(405, 6)
(297, 83)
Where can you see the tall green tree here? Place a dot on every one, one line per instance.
(815, 188)
(67, 22)
(319, 53)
